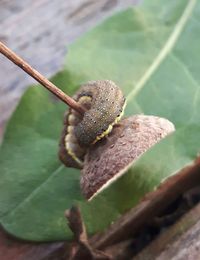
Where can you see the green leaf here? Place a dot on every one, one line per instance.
(152, 51)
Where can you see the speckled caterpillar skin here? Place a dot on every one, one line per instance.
(106, 106)
(104, 102)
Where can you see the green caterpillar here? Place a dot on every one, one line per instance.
(104, 102)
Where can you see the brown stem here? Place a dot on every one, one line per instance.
(41, 79)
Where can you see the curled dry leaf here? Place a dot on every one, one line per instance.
(111, 157)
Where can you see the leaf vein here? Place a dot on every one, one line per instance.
(165, 50)
(34, 191)
(185, 68)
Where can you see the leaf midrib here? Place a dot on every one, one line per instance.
(165, 51)
(35, 190)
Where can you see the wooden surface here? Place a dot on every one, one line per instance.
(11, 249)
(40, 31)
(179, 242)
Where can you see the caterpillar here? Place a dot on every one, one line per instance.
(104, 103)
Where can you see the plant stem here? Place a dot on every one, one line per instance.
(40, 78)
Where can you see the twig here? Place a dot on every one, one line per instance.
(40, 78)
(83, 249)
(76, 224)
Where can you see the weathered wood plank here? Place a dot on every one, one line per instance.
(179, 242)
(13, 249)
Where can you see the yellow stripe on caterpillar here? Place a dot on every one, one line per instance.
(104, 103)
(110, 127)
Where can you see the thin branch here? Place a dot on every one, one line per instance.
(83, 249)
(40, 78)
